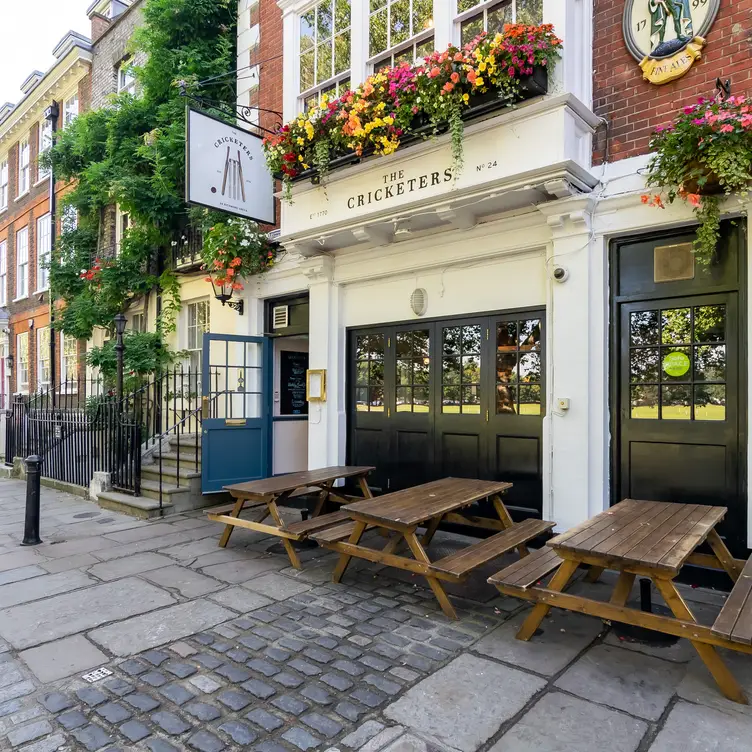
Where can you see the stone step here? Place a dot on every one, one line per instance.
(142, 507)
(187, 459)
(150, 488)
(170, 475)
(186, 441)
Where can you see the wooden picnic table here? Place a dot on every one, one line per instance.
(650, 539)
(269, 492)
(399, 514)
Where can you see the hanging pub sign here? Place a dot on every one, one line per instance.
(667, 36)
(226, 169)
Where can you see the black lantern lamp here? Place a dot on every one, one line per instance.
(120, 322)
(223, 293)
(11, 361)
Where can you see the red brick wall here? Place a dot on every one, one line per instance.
(634, 107)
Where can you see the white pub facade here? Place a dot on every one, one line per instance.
(483, 324)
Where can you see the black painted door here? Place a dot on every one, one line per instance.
(461, 397)
(679, 367)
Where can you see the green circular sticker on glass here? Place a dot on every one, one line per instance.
(676, 364)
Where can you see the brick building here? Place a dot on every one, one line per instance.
(26, 230)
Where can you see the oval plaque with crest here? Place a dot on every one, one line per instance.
(667, 36)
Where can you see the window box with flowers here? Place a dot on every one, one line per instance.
(399, 104)
(704, 154)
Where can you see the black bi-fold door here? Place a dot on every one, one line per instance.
(461, 397)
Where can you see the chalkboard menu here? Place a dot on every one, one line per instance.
(292, 385)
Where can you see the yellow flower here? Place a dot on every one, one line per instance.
(389, 120)
(465, 98)
(482, 66)
(478, 81)
(300, 157)
(300, 123)
(301, 141)
(309, 131)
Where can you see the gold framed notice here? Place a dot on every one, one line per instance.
(666, 37)
(316, 385)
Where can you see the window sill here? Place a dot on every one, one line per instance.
(23, 195)
(40, 181)
(39, 292)
(18, 300)
(3, 210)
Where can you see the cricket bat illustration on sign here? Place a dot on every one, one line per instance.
(233, 184)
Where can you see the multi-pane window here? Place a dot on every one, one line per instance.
(460, 369)
(413, 367)
(23, 166)
(44, 252)
(3, 184)
(22, 360)
(22, 263)
(401, 29)
(126, 81)
(138, 322)
(70, 110)
(518, 367)
(677, 363)
(123, 222)
(369, 373)
(69, 363)
(43, 358)
(324, 50)
(3, 273)
(197, 324)
(45, 143)
(477, 16)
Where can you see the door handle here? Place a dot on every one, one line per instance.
(205, 408)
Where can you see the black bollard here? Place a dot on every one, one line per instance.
(31, 523)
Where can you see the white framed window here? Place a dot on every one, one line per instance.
(70, 110)
(138, 322)
(3, 184)
(69, 363)
(44, 252)
(44, 372)
(22, 263)
(399, 31)
(324, 51)
(3, 273)
(126, 81)
(197, 324)
(122, 223)
(23, 166)
(22, 362)
(45, 143)
(476, 16)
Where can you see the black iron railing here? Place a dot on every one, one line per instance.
(186, 249)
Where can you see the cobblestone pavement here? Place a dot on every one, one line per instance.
(214, 649)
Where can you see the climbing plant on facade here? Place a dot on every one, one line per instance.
(132, 154)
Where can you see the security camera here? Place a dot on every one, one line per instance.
(561, 274)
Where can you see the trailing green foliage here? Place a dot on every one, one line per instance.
(132, 153)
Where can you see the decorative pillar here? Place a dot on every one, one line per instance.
(326, 339)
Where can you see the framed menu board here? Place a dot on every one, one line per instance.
(292, 383)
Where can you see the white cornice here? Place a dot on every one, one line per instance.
(68, 71)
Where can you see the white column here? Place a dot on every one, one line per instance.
(442, 23)
(358, 42)
(577, 339)
(326, 339)
(290, 69)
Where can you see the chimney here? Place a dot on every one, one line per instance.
(5, 110)
(99, 24)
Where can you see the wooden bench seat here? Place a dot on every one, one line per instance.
(528, 571)
(227, 508)
(335, 533)
(323, 521)
(735, 620)
(460, 564)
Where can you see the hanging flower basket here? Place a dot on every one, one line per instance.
(398, 105)
(704, 154)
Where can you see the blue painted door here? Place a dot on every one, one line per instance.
(237, 411)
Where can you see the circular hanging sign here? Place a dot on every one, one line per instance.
(676, 364)
(667, 36)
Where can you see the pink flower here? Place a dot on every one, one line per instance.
(698, 121)
(689, 110)
(693, 199)
(727, 128)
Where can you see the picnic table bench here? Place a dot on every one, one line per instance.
(399, 514)
(649, 539)
(265, 495)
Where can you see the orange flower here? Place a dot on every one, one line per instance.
(644, 199)
(237, 286)
(448, 86)
(455, 77)
(694, 199)
(435, 71)
(471, 76)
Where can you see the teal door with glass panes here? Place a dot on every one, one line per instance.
(462, 397)
(680, 412)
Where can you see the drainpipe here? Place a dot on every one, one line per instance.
(52, 113)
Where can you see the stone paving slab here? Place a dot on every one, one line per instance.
(446, 705)
(563, 636)
(159, 627)
(277, 586)
(691, 728)
(187, 582)
(63, 615)
(562, 723)
(136, 564)
(240, 599)
(243, 569)
(56, 660)
(22, 573)
(633, 682)
(43, 586)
